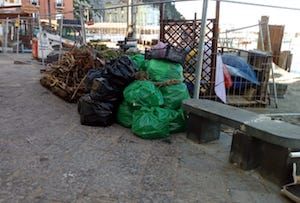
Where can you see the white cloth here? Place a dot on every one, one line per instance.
(220, 82)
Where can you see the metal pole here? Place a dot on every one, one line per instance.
(200, 50)
(129, 13)
(161, 18)
(82, 26)
(60, 39)
(40, 45)
(18, 35)
(133, 16)
(49, 14)
(272, 68)
(6, 36)
(2, 26)
(217, 20)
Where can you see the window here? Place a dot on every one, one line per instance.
(34, 2)
(59, 3)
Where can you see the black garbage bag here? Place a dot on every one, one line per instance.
(95, 113)
(91, 75)
(103, 91)
(120, 71)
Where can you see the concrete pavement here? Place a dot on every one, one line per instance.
(47, 156)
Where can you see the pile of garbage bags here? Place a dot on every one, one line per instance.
(144, 95)
(152, 108)
(104, 92)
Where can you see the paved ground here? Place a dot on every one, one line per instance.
(47, 156)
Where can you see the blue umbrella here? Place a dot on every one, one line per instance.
(237, 66)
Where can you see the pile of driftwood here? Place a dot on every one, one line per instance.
(66, 77)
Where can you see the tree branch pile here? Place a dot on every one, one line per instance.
(65, 78)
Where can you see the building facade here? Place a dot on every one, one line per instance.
(9, 3)
(58, 8)
(20, 16)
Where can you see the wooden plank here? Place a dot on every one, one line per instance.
(264, 22)
(276, 36)
(285, 60)
(239, 101)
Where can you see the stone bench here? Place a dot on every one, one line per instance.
(257, 142)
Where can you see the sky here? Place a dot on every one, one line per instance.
(233, 15)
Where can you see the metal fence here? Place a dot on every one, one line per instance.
(185, 35)
(242, 92)
(17, 33)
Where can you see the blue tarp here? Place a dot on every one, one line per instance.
(238, 67)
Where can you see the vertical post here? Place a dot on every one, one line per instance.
(128, 14)
(18, 33)
(60, 39)
(3, 28)
(133, 20)
(161, 18)
(200, 50)
(82, 25)
(260, 44)
(272, 68)
(6, 36)
(194, 43)
(49, 14)
(40, 45)
(129, 20)
(217, 22)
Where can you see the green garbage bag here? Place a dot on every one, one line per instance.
(151, 123)
(143, 93)
(139, 61)
(124, 114)
(178, 122)
(174, 94)
(163, 70)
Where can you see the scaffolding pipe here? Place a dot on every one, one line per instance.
(200, 50)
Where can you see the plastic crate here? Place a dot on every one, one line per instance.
(170, 53)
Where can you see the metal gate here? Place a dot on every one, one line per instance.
(185, 34)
